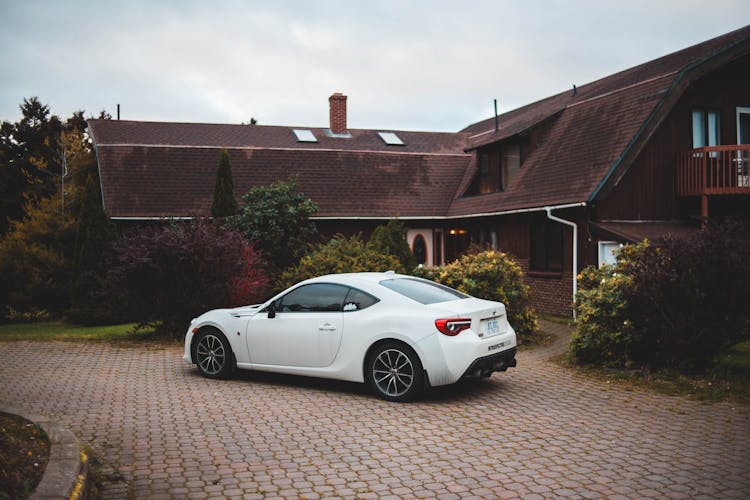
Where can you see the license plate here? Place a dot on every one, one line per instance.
(491, 327)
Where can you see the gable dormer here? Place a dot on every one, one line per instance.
(497, 165)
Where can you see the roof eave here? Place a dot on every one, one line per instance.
(494, 138)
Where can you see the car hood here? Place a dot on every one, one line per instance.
(237, 312)
(244, 310)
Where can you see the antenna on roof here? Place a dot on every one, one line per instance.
(574, 89)
(118, 111)
(497, 125)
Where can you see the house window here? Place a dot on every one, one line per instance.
(419, 249)
(438, 248)
(489, 179)
(496, 169)
(546, 247)
(608, 251)
(705, 128)
(511, 163)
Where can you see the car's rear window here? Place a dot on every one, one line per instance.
(425, 292)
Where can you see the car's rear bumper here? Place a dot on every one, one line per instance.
(483, 367)
(448, 359)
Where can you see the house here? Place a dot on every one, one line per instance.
(653, 150)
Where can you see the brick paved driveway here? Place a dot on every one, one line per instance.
(537, 430)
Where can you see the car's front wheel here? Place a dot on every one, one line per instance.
(213, 355)
(394, 372)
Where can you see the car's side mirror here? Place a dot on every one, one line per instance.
(271, 310)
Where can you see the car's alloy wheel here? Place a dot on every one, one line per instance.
(395, 373)
(213, 355)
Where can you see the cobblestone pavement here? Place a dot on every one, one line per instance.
(538, 430)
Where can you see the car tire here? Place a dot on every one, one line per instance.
(213, 354)
(394, 372)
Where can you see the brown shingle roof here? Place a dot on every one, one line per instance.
(152, 169)
(584, 137)
(123, 132)
(160, 181)
(578, 150)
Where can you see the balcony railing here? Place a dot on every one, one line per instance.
(714, 170)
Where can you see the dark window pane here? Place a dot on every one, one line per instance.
(357, 300)
(318, 297)
(438, 251)
(425, 292)
(554, 247)
(538, 253)
(546, 246)
(419, 249)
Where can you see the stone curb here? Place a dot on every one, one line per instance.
(66, 475)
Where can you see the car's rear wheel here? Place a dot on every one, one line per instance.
(394, 372)
(213, 355)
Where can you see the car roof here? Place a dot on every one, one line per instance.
(355, 278)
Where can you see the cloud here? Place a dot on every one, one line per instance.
(404, 65)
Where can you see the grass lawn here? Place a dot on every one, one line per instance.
(56, 330)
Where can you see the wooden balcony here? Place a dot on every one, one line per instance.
(714, 170)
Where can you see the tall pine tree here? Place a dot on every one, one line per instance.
(224, 203)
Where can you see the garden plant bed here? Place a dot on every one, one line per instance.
(24, 451)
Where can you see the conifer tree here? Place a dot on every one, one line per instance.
(225, 204)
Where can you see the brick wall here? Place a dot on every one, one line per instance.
(338, 113)
(551, 294)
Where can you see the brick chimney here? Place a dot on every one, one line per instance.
(338, 113)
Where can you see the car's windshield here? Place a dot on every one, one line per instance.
(425, 292)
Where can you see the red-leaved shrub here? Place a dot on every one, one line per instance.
(251, 285)
(169, 273)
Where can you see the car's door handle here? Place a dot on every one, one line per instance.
(327, 328)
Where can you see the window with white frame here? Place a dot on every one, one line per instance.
(608, 251)
(705, 126)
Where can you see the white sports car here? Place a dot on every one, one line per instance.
(398, 333)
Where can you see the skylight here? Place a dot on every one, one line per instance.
(391, 138)
(304, 135)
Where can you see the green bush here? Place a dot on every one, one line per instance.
(276, 219)
(339, 255)
(490, 275)
(391, 239)
(603, 331)
(675, 305)
(30, 315)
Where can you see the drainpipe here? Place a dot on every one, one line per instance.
(575, 252)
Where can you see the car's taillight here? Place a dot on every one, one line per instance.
(452, 326)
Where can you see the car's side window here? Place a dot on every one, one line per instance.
(356, 300)
(317, 297)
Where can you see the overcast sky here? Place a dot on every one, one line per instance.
(405, 65)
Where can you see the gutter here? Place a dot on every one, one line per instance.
(458, 217)
(575, 251)
(399, 217)
(263, 148)
(166, 217)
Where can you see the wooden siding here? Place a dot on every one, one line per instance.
(648, 190)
